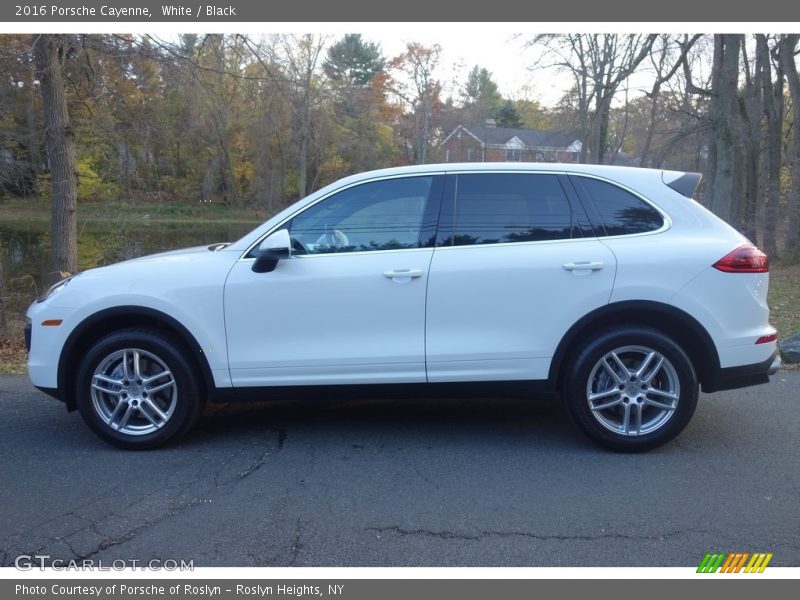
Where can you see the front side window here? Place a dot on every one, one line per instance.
(618, 211)
(497, 208)
(378, 215)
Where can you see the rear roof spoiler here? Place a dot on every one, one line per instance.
(683, 183)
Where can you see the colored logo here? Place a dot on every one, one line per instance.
(735, 562)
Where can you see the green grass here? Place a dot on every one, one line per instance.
(784, 299)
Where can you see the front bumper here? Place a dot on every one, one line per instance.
(731, 378)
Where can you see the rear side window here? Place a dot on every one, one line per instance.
(497, 208)
(616, 210)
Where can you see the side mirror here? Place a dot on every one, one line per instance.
(275, 247)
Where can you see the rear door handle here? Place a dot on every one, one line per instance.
(583, 266)
(402, 275)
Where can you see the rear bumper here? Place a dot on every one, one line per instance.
(28, 336)
(742, 376)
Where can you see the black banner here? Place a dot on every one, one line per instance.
(386, 589)
(252, 11)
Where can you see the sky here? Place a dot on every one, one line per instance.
(498, 51)
(503, 52)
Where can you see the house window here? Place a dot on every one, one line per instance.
(469, 154)
(575, 157)
(540, 157)
(513, 154)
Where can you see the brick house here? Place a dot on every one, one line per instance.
(488, 143)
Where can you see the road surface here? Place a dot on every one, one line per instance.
(479, 482)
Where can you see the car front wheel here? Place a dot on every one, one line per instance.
(136, 390)
(631, 389)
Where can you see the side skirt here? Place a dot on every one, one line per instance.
(526, 388)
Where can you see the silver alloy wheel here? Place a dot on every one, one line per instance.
(133, 391)
(633, 390)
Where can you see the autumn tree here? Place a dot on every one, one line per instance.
(415, 84)
(598, 64)
(666, 59)
(534, 115)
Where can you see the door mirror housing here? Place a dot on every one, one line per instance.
(275, 247)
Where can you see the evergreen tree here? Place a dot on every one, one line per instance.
(481, 96)
(353, 61)
(508, 115)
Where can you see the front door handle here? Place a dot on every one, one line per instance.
(403, 275)
(583, 266)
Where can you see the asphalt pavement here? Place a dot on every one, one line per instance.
(420, 482)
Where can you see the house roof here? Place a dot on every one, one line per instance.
(532, 138)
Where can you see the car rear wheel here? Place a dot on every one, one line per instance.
(136, 390)
(631, 389)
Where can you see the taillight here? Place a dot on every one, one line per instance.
(745, 259)
(766, 339)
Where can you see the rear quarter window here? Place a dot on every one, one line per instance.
(615, 211)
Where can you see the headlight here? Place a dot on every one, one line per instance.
(55, 288)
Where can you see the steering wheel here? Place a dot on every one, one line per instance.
(333, 239)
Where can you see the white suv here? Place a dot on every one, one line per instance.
(606, 284)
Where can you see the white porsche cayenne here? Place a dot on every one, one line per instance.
(609, 286)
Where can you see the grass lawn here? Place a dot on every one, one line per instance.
(784, 298)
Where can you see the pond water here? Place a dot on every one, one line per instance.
(25, 250)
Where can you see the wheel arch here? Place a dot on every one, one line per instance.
(677, 324)
(122, 317)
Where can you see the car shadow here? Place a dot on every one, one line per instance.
(503, 418)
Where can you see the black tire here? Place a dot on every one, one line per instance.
(674, 384)
(183, 401)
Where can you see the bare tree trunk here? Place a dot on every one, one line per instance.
(33, 141)
(425, 133)
(220, 110)
(751, 108)
(50, 52)
(724, 115)
(788, 46)
(773, 110)
(302, 164)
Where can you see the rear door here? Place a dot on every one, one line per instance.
(516, 264)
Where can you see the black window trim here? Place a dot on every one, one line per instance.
(446, 225)
(434, 200)
(590, 208)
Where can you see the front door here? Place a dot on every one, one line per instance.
(349, 305)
